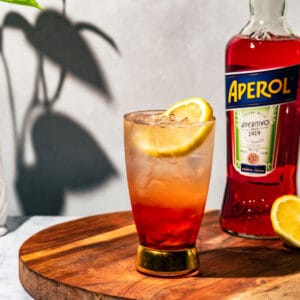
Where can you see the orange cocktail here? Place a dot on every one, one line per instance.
(168, 170)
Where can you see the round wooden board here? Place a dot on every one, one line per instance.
(94, 257)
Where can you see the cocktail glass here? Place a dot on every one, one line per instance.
(168, 189)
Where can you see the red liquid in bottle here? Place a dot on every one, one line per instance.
(248, 200)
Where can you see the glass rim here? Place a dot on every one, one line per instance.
(133, 118)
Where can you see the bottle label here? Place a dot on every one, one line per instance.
(255, 98)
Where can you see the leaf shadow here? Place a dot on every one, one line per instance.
(67, 158)
(58, 39)
(67, 155)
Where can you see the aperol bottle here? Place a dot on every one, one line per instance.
(263, 119)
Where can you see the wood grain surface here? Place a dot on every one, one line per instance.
(93, 258)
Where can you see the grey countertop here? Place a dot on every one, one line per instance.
(19, 230)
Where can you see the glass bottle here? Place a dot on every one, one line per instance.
(263, 119)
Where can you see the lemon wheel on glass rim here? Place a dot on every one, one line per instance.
(177, 139)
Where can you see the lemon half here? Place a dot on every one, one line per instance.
(185, 134)
(285, 217)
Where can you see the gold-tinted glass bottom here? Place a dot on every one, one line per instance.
(167, 262)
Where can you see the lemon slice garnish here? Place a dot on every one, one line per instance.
(196, 109)
(180, 130)
(285, 217)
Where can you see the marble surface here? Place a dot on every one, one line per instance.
(19, 230)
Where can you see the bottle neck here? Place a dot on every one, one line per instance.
(268, 10)
(267, 20)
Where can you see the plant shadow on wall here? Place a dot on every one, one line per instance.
(66, 155)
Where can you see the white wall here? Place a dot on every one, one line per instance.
(168, 50)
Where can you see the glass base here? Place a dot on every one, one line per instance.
(167, 262)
